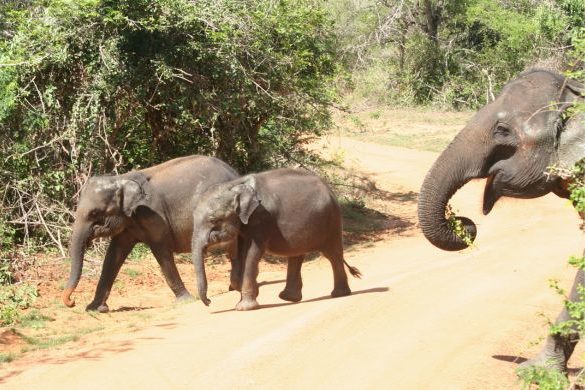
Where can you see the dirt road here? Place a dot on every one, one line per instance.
(420, 318)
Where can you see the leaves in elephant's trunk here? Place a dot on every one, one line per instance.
(457, 227)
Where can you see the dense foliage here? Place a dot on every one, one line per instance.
(90, 87)
(452, 53)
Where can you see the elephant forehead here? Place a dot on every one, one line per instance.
(502, 115)
(99, 191)
(103, 185)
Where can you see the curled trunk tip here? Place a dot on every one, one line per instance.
(81, 236)
(441, 182)
(67, 297)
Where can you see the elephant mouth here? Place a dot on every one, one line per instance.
(107, 228)
(491, 194)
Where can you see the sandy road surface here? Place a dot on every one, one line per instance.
(420, 318)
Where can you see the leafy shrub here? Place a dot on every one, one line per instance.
(13, 299)
(545, 378)
(90, 87)
(451, 53)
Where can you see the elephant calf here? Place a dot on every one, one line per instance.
(153, 206)
(285, 212)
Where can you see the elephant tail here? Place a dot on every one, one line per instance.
(353, 270)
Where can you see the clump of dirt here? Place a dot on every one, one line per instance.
(11, 342)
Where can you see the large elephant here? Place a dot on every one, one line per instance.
(153, 206)
(285, 212)
(512, 142)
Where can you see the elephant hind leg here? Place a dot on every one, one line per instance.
(294, 283)
(335, 257)
(558, 348)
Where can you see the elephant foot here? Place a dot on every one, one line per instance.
(235, 286)
(544, 361)
(247, 304)
(290, 295)
(341, 292)
(184, 298)
(97, 306)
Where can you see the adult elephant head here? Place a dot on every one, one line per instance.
(511, 141)
(105, 206)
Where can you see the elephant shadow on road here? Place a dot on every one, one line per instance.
(322, 298)
(519, 360)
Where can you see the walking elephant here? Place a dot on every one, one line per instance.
(285, 212)
(512, 141)
(153, 206)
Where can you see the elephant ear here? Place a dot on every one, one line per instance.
(576, 87)
(571, 138)
(246, 199)
(129, 196)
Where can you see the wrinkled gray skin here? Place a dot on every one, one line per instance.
(511, 142)
(153, 206)
(285, 212)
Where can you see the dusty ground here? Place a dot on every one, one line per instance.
(420, 318)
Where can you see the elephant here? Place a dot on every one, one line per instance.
(286, 212)
(512, 141)
(152, 206)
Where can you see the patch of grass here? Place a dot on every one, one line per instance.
(547, 379)
(14, 299)
(35, 319)
(357, 122)
(144, 316)
(139, 252)
(119, 285)
(132, 272)
(51, 341)
(431, 141)
(7, 357)
(408, 128)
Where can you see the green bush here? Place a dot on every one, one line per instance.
(454, 54)
(90, 87)
(13, 299)
(545, 378)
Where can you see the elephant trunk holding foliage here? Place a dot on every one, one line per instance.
(519, 142)
(153, 206)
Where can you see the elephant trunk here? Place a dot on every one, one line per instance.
(80, 237)
(198, 249)
(449, 173)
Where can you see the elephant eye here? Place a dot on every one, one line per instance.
(502, 130)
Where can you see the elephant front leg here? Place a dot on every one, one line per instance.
(236, 273)
(249, 291)
(164, 257)
(558, 348)
(293, 290)
(116, 254)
